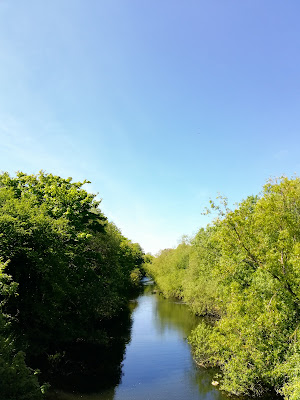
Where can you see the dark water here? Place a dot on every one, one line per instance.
(157, 364)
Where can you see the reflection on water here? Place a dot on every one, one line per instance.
(88, 368)
(174, 314)
(157, 363)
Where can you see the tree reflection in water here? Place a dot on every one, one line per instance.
(178, 317)
(88, 368)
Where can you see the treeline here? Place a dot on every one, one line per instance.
(64, 271)
(244, 270)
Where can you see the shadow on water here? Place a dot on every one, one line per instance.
(90, 367)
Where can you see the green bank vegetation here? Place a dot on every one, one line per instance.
(64, 271)
(244, 270)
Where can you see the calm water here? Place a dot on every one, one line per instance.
(157, 364)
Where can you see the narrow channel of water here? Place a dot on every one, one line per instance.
(158, 364)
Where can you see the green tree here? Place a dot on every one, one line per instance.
(72, 267)
(168, 269)
(258, 272)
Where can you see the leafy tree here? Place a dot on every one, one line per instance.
(200, 283)
(168, 269)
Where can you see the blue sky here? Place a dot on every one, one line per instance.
(160, 104)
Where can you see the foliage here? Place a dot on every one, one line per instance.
(169, 268)
(245, 270)
(72, 267)
(200, 284)
(136, 276)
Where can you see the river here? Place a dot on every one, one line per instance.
(157, 364)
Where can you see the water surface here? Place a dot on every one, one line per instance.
(157, 364)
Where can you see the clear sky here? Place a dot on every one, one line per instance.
(161, 104)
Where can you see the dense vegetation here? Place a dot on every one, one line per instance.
(64, 272)
(244, 270)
